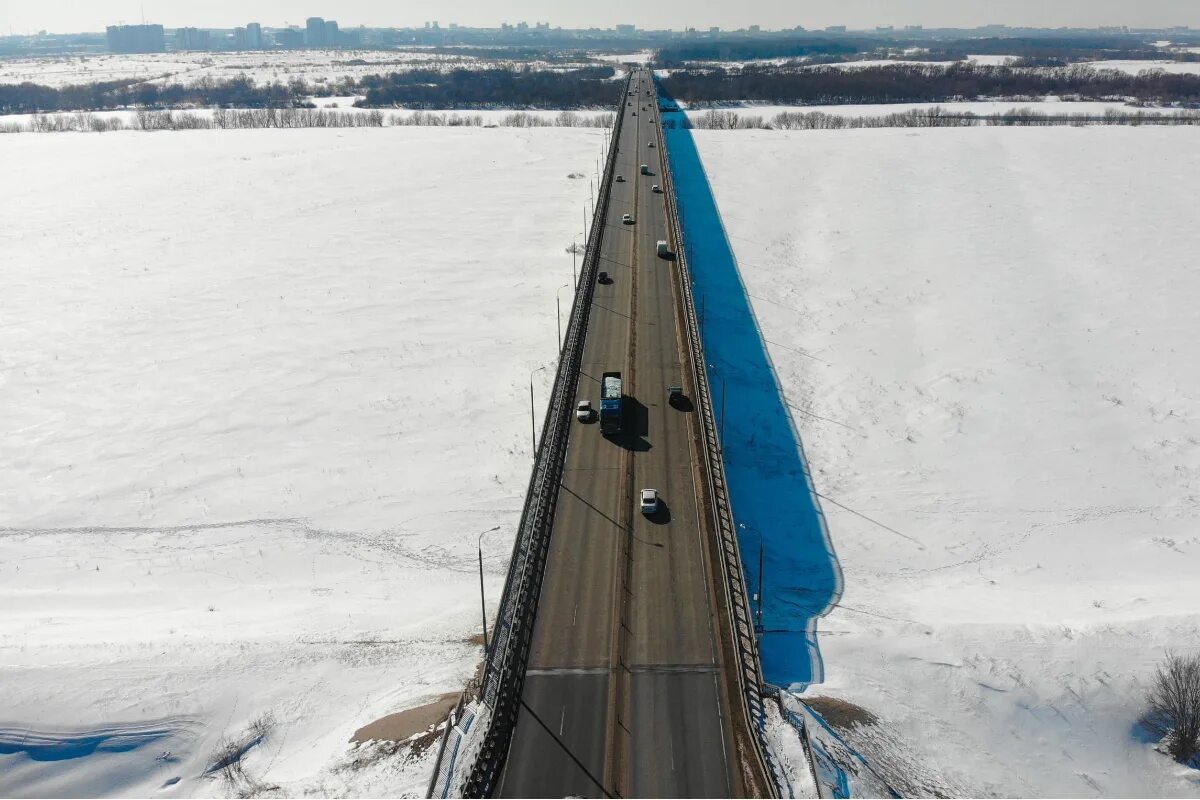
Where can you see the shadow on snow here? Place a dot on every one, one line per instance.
(769, 482)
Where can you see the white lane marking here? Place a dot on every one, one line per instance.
(575, 615)
(562, 721)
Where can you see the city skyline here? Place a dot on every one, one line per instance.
(23, 16)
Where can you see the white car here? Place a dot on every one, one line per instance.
(656, 189)
(649, 144)
(583, 410)
(627, 219)
(649, 501)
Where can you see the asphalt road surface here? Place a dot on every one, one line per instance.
(623, 693)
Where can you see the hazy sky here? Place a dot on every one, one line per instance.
(21, 16)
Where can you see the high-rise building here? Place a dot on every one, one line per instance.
(314, 32)
(254, 37)
(289, 38)
(626, 30)
(136, 39)
(333, 37)
(192, 39)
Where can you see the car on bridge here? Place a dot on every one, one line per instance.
(620, 179)
(627, 219)
(656, 189)
(649, 501)
(583, 411)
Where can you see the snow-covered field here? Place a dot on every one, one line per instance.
(640, 57)
(503, 117)
(261, 390)
(313, 66)
(1050, 105)
(316, 67)
(1134, 67)
(990, 60)
(988, 335)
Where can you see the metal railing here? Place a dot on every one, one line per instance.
(749, 667)
(504, 674)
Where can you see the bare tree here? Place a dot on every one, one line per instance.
(1174, 702)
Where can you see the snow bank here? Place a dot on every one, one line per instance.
(1049, 105)
(314, 66)
(262, 390)
(985, 335)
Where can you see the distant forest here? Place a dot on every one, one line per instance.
(918, 83)
(1058, 50)
(750, 49)
(594, 87)
(240, 92)
(590, 87)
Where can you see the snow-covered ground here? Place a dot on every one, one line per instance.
(313, 66)
(987, 336)
(82, 122)
(1050, 105)
(261, 390)
(883, 62)
(990, 60)
(640, 57)
(1134, 67)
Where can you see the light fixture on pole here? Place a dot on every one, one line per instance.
(558, 305)
(532, 415)
(482, 604)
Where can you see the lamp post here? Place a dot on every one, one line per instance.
(574, 250)
(532, 416)
(558, 304)
(482, 604)
(758, 622)
(723, 413)
(721, 421)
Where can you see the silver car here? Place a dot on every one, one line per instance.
(649, 501)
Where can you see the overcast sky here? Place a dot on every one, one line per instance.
(23, 16)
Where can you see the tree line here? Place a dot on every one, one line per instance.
(237, 92)
(145, 119)
(733, 49)
(589, 87)
(936, 117)
(1064, 49)
(921, 83)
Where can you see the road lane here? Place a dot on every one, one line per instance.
(622, 689)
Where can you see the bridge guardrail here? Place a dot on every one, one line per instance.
(749, 667)
(504, 673)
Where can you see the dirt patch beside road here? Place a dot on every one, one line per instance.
(403, 725)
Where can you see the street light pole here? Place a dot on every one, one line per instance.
(758, 627)
(532, 415)
(760, 581)
(482, 604)
(574, 250)
(558, 302)
(722, 413)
